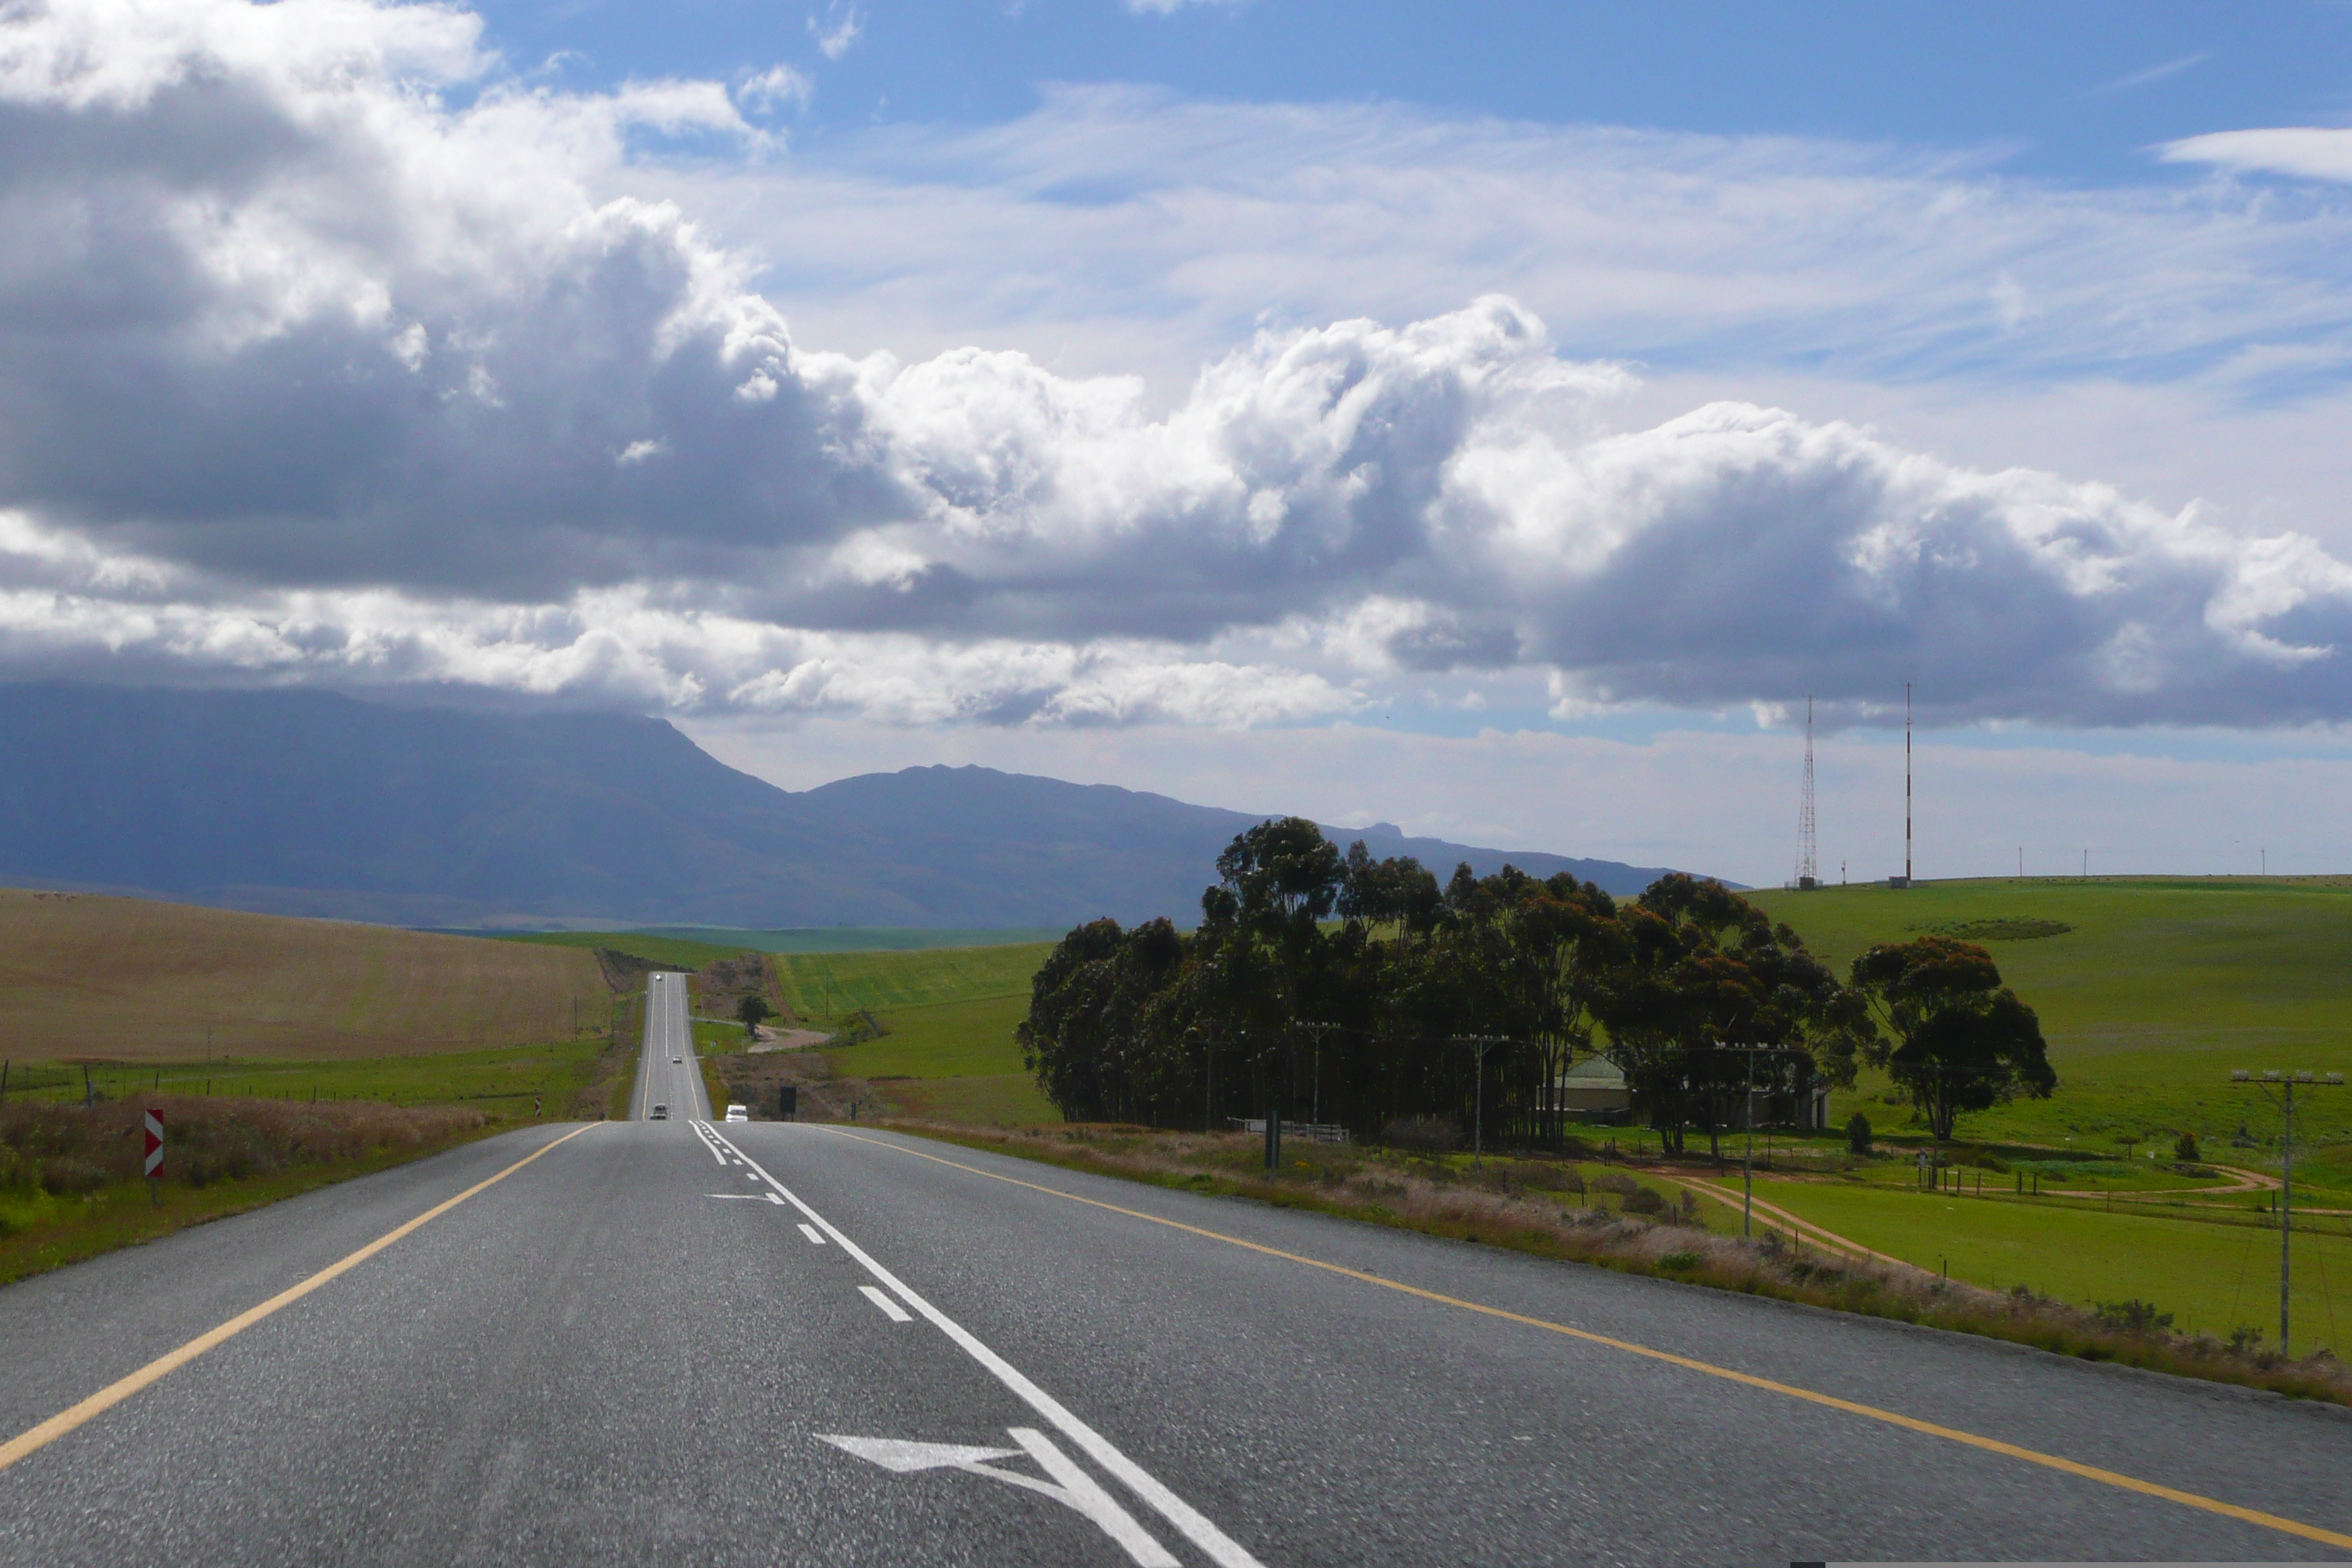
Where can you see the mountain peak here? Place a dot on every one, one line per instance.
(297, 802)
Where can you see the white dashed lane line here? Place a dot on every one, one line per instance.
(890, 1291)
(807, 1230)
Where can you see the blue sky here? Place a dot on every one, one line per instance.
(2079, 91)
(1498, 420)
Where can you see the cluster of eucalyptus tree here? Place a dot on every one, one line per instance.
(1345, 990)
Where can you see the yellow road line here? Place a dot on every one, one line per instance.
(1851, 1407)
(114, 1394)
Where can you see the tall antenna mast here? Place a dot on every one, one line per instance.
(1809, 871)
(1906, 784)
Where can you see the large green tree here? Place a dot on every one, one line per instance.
(1956, 1039)
(1701, 969)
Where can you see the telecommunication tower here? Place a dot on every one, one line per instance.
(1904, 881)
(1809, 871)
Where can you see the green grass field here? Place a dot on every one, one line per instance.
(2160, 988)
(832, 985)
(501, 1081)
(669, 952)
(839, 939)
(953, 1061)
(2210, 1277)
(941, 1039)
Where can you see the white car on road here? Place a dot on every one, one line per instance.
(738, 1113)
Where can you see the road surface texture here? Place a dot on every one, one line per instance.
(773, 1343)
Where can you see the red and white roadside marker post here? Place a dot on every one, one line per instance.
(156, 1155)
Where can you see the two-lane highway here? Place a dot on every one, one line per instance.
(669, 1075)
(795, 1343)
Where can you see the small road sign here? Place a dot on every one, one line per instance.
(154, 1143)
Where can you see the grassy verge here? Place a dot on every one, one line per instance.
(714, 1085)
(995, 1099)
(1526, 1204)
(617, 1066)
(69, 1181)
(507, 1080)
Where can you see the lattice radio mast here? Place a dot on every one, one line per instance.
(1809, 871)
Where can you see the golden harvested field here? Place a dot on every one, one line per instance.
(131, 980)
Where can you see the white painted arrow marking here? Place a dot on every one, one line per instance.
(1070, 1486)
(901, 1457)
(888, 1308)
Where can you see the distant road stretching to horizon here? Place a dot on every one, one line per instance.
(768, 1342)
(668, 1072)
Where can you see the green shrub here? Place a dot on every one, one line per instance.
(2132, 1317)
(1857, 1134)
(1430, 1134)
(2184, 1149)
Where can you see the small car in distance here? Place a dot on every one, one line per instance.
(738, 1113)
(659, 1113)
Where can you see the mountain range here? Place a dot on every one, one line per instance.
(316, 804)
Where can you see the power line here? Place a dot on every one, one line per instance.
(2286, 1082)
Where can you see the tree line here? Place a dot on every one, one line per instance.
(1341, 989)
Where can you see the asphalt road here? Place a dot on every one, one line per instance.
(768, 1342)
(668, 1073)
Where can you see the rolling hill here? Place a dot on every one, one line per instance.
(136, 980)
(312, 804)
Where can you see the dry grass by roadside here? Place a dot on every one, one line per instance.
(614, 1079)
(70, 1185)
(1512, 1204)
(140, 980)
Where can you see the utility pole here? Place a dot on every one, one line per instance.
(1479, 1045)
(1906, 784)
(1208, 1071)
(1208, 1075)
(2287, 1084)
(1317, 1031)
(1748, 1156)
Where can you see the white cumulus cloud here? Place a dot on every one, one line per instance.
(331, 353)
